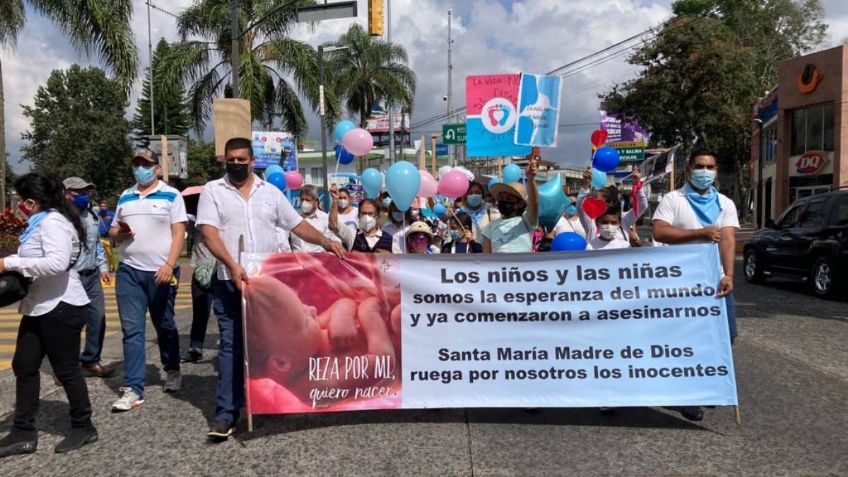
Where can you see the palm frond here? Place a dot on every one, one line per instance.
(12, 19)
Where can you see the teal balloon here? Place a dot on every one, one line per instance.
(273, 169)
(568, 242)
(511, 173)
(493, 181)
(342, 128)
(372, 182)
(606, 159)
(439, 210)
(276, 179)
(599, 179)
(403, 182)
(552, 202)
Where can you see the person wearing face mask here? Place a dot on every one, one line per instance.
(617, 229)
(241, 204)
(317, 218)
(53, 314)
(519, 214)
(419, 238)
(412, 215)
(698, 213)
(480, 211)
(91, 268)
(570, 220)
(149, 228)
(461, 235)
(366, 237)
(348, 213)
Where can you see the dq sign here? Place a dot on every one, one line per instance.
(811, 162)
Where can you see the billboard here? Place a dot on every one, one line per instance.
(269, 147)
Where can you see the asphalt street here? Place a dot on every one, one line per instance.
(792, 370)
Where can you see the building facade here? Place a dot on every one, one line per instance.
(797, 143)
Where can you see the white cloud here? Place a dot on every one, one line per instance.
(491, 36)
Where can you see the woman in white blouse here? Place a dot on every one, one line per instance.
(53, 313)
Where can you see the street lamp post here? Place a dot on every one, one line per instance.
(321, 111)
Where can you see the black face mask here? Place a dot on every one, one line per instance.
(237, 172)
(509, 209)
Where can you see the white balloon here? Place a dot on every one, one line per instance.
(468, 174)
(444, 170)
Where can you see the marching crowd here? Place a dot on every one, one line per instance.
(62, 260)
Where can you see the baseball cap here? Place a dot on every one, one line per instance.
(76, 183)
(147, 155)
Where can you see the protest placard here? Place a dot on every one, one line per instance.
(377, 331)
(538, 110)
(491, 115)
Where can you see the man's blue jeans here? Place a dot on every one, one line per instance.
(230, 393)
(95, 324)
(137, 293)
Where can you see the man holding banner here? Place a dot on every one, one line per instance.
(241, 207)
(698, 213)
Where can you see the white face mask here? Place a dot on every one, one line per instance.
(306, 207)
(367, 223)
(608, 231)
(343, 203)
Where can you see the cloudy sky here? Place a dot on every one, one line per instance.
(491, 36)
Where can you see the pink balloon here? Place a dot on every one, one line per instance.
(429, 186)
(453, 184)
(294, 180)
(358, 142)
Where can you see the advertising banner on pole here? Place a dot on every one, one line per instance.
(491, 115)
(538, 110)
(274, 147)
(381, 331)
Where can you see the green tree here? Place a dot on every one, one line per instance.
(78, 128)
(707, 67)
(91, 25)
(274, 69)
(369, 70)
(171, 115)
(203, 165)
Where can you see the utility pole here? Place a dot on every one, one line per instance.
(150, 70)
(389, 105)
(450, 84)
(234, 53)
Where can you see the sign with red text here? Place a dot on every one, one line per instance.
(379, 331)
(811, 162)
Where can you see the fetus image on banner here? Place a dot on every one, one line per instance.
(331, 342)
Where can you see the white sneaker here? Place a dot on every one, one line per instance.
(173, 382)
(129, 400)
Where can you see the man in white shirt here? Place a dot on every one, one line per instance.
(149, 227)
(698, 213)
(242, 207)
(316, 217)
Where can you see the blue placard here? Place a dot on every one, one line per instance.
(538, 110)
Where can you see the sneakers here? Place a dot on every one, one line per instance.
(173, 382)
(78, 437)
(221, 429)
(129, 400)
(192, 356)
(18, 442)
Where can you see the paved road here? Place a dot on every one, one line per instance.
(792, 370)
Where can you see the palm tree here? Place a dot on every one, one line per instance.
(91, 25)
(274, 69)
(369, 70)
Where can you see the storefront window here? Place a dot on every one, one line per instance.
(812, 129)
(768, 146)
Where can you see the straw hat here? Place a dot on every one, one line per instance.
(421, 227)
(516, 188)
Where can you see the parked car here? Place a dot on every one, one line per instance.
(809, 241)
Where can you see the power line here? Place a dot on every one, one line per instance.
(151, 5)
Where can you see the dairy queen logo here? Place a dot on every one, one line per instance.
(811, 162)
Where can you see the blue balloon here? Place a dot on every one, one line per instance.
(277, 179)
(439, 210)
(512, 173)
(343, 156)
(403, 182)
(372, 182)
(552, 202)
(273, 169)
(568, 242)
(342, 128)
(599, 179)
(606, 159)
(493, 181)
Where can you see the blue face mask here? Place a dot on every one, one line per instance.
(81, 201)
(474, 200)
(387, 202)
(143, 175)
(454, 235)
(702, 179)
(571, 210)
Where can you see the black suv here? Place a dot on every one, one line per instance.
(810, 240)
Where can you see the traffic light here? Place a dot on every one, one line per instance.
(375, 17)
